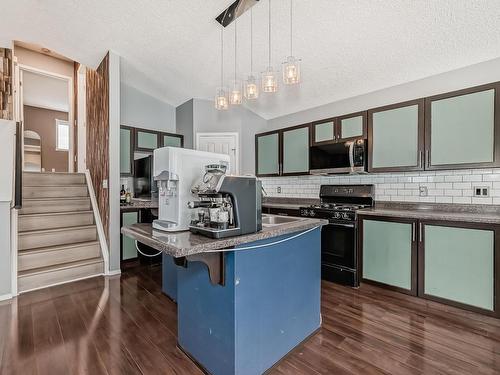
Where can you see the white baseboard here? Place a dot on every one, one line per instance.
(6, 297)
(113, 273)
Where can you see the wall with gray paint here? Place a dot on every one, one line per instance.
(184, 122)
(141, 110)
(236, 119)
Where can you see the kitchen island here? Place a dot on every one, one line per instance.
(243, 302)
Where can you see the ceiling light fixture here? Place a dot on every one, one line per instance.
(236, 96)
(251, 85)
(221, 96)
(269, 76)
(291, 67)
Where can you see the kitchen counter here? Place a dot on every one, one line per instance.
(487, 214)
(137, 204)
(262, 291)
(185, 243)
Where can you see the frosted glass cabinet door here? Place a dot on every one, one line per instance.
(296, 150)
(171, 141)
(461, 129)
(396, 137)
(324, 131)
(126, 151)
(459, 265)
(267, 154)
(387, 253)
(129, 250)
(352, 127)
(146, 140)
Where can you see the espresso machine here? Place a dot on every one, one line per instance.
(175, 172)
(227, 205)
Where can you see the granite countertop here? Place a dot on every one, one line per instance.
(179, 244)
(487, 214)
(136, 204)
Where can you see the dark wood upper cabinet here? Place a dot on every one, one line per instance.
(352, 126)
(396, 137)
(126, 151)
(171, 139)
(146, 140)
(462, 129)
(283, 152)
(339, 129)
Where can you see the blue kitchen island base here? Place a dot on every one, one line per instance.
(269, 304)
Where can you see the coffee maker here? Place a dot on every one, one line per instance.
(227, 205)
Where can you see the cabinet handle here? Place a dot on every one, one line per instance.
(420, 232)
(427, 158)
(413, 232)
(420, 159)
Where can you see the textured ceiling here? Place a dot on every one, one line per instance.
(170, 49)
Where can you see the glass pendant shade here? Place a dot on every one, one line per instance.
(291, 71)
(236, 94)
(251, 88)
(269, 80)
(221, 99)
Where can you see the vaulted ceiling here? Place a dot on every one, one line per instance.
(171, 49)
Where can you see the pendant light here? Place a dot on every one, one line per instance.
(236, 95)
(269, 76)
(291, 67)
(221, 95)
(251, 85)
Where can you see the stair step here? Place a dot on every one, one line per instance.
(46, 276)
(40, 221)
(41, 179)
(53, 237)
(56, 255)
(57, 191)
(52, 205)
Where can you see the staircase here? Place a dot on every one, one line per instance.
(57, 235)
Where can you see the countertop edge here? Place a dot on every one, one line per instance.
(225, 244)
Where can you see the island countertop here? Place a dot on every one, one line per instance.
(185, 243)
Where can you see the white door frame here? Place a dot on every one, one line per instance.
(71, 113)
(236, 136)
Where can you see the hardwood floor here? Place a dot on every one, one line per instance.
(125, 325)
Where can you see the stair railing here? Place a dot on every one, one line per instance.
(18, 171)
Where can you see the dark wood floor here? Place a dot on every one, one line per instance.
(125, 325)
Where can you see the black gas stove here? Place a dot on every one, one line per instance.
(338, 204)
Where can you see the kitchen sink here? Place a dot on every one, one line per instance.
(277, 220)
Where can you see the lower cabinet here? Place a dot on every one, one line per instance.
(128, 249)
(389, 253)
(457, 264)
(454, 263)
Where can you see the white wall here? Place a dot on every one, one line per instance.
(114, 162)
(141, 110)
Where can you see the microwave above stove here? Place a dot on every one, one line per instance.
(348, 157)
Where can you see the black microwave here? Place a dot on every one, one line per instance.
(348, 157)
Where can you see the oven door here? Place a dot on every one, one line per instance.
(338, 245)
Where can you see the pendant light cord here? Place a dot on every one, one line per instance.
(291, 28)
(235, 47)
(269, 32)
(221, 57)
(251, 40)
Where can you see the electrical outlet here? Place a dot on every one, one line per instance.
(481, 191)
(278, 189)
(422, 191)
(104, 184)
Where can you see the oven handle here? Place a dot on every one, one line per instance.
(342, 225)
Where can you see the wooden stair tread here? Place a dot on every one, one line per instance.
(57, 247)
(58, 267)
(54, 173)
(58, 213)
(55, 230)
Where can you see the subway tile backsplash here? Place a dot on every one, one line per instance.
(455, 186)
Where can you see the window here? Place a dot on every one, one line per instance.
(62, 135)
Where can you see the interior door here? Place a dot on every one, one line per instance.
(221, 143)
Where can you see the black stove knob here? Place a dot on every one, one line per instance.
(312, 213)
(336, 215)
(345, 215)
